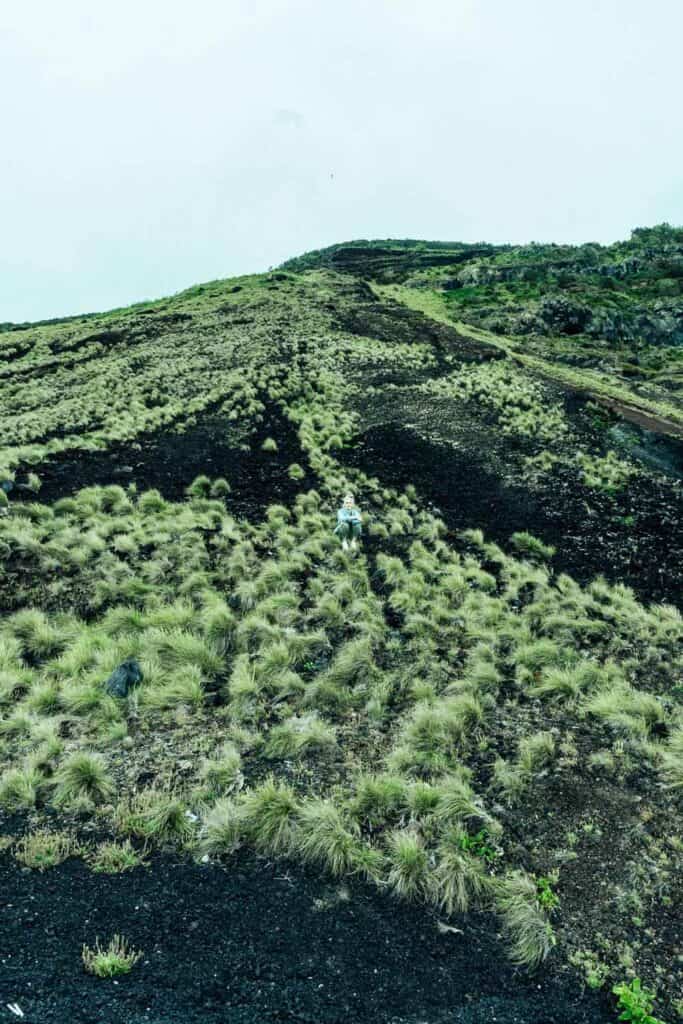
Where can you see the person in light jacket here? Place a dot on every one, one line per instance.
(348, 523)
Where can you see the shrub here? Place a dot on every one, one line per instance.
(110, 961)
(269, 445)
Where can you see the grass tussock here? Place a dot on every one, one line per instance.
(529, 933)
(112, 960)
(45, 849)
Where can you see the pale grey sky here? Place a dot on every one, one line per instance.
(146, 145)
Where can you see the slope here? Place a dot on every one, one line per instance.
(482, 710)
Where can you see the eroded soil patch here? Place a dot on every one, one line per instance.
(169, 461)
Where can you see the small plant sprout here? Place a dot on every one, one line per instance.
(112, 960)
(547, 897)
(635, 1002)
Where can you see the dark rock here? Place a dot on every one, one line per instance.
(124, 678)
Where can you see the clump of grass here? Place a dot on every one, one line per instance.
(535, 754)
(672, 759)
(300, 735)
(269, 445)
(269, 816)
(265, 816)
(378, 798)
(200, 487)
(222, 774)
(39, 637)
(530, 545)
(222, 828)
(323, 837)
(155, 814)
(44, 849)
(529, 934)
(458, 878)
(409, 866)
(220, 488)
(626, 710)
(82, 776)
(182, 687)
(112, 960)
(19, 788)
(114, 858)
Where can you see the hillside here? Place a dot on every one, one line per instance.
(479, 713)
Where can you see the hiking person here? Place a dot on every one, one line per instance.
(348, 523)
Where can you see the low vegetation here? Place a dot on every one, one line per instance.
(112, 960)
(449, 717)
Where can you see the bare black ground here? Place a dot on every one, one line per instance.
(254, 944)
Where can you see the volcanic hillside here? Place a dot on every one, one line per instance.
(480, 712)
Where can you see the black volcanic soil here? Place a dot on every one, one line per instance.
(634, 537)
(257, 943)
(169, 461)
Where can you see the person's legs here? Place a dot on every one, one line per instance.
(355, 534)
(343, 531)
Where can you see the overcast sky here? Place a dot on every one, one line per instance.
(147, 145)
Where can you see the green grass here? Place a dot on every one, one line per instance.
(111, 960)
(45, 849)
(406, 716)
(114, 858)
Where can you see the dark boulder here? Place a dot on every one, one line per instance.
(124, 678)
